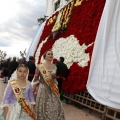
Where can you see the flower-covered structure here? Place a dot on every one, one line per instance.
(70, 32)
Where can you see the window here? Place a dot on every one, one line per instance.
(57, 5)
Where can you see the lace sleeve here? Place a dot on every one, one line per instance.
(30, 95)
(37, 73)
(36, 78)
(54, 72)
(8, 97)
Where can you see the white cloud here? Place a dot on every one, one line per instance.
(15, 48)
(18, 24)
(8, 9)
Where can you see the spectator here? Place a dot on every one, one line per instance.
(12, 66)
(1, 69)
(6, 70)
(31, 65)
(62, 72)
(23, 60)
(19, 61)
(1, 65)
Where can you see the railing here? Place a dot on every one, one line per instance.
(85, 99)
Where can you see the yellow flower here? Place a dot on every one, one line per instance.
(78, 2)
(57, 26)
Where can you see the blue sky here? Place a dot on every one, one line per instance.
(18, 24)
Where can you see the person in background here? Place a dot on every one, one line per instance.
(12, 66)
(19, 61)
(48, 105)
(62, 73)
(1, 65)
(6, 70)
(23, 60)
(31, 65)
(1, 69)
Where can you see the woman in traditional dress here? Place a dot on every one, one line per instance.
(48, 105)
(18, 98)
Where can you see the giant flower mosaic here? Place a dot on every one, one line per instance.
(71, 50)
(76, 42)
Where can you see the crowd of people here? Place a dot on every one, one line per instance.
(9, 66)
(33, 91)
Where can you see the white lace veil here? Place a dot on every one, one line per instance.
(42, 60)
(14, 75)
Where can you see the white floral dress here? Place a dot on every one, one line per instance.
(48, 104)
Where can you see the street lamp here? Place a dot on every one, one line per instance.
(41, 20)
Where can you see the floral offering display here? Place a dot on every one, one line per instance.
(77, 24)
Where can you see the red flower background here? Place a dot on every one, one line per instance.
(83, 24)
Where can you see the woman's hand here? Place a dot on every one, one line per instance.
(5, 112)
(35, 116)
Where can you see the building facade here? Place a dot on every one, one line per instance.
(53, 5)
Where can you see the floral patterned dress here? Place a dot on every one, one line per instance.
(48, 104)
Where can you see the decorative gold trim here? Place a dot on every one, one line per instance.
(78, 2)
(47, 78)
